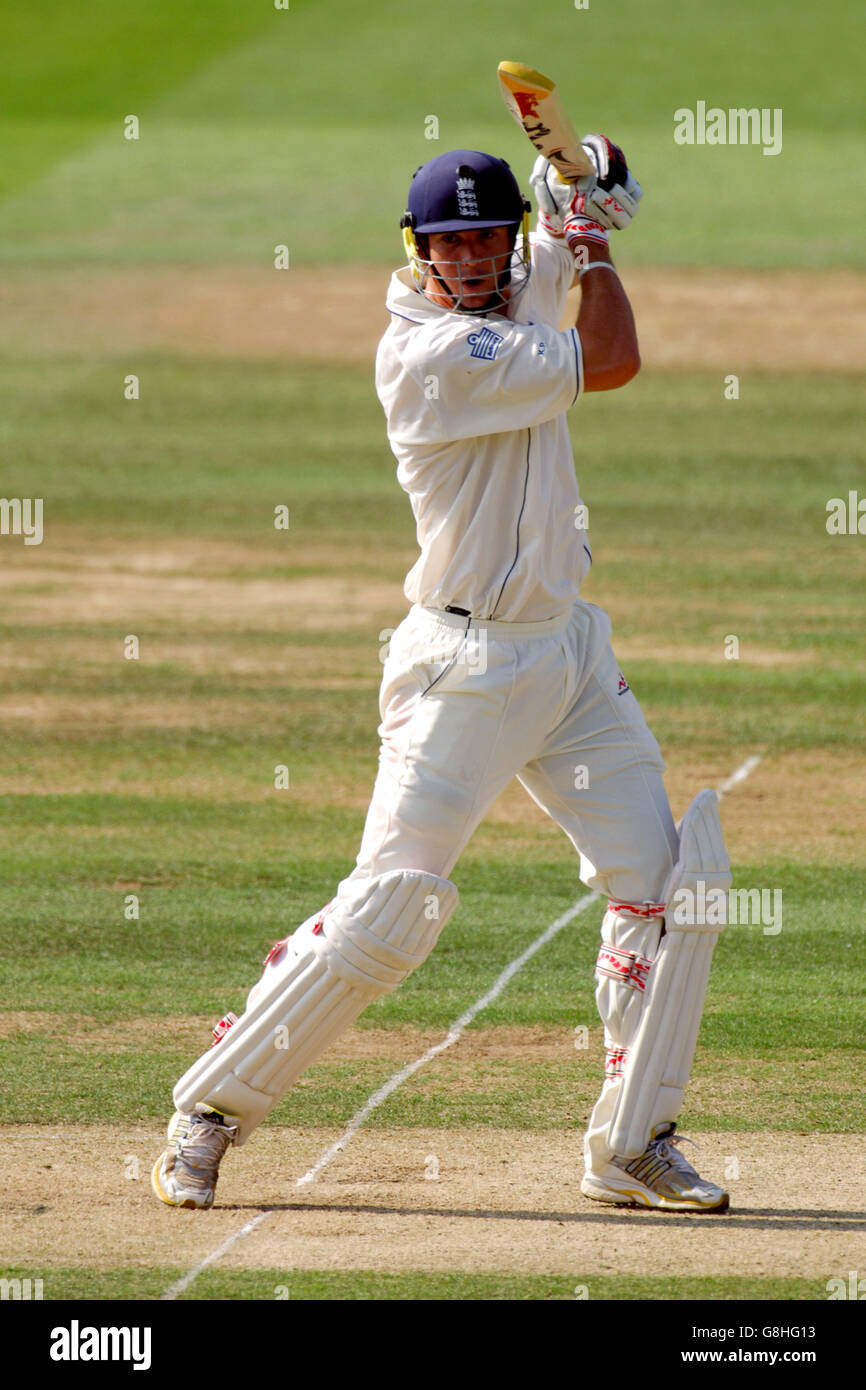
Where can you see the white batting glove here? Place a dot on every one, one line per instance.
(561, 204)
(552, 196)
(606, 200)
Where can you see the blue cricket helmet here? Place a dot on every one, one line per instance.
(463, 189)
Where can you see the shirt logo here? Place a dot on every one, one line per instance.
(485, 343)
(622, 685)
(467, 205)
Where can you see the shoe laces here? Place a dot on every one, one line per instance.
(665, 1148)
(201, 1142)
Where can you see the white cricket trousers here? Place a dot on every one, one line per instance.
(466, 706)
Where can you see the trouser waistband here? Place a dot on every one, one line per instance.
(494, 626)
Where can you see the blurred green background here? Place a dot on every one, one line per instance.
(304, 125)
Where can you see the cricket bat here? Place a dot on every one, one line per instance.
(538, 109)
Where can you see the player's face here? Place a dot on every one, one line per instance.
(467, 265)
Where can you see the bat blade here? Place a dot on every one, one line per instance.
(537, 107)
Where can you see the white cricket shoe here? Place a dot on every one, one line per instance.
(186, 1174)
(659, 1177)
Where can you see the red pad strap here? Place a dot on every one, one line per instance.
(614, 1061)
(639, 909)
(220, 1029)
(275, 951)
(625, 966)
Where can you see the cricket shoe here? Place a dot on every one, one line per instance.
(659, 1177)
(186, 1174)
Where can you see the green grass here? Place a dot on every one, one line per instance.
(303, 126)
(783, 1019)
(302, 1285)
(67, 76)
(721, 499)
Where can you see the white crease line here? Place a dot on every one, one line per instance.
(739, 775)
(174, 1289)
(455, 1032)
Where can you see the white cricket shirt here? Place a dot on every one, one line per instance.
(476, 420)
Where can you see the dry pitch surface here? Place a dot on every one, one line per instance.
(730, 319)
(503, 1201)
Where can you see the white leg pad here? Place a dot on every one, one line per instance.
(657, 1069)
(630, 935)
(315, 984)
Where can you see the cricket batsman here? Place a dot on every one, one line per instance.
(499, 670)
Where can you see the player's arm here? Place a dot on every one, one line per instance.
(605, 324)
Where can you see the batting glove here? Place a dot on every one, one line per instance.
(560, 206)
(614, 198)
(607, 199)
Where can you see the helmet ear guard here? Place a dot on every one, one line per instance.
(410, 245)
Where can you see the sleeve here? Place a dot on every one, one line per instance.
(471, 378)
(553, 268)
